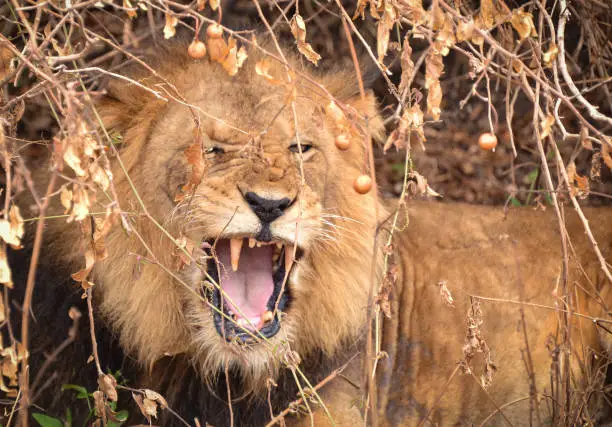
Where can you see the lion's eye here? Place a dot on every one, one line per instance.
(214, 149)
(294, 148)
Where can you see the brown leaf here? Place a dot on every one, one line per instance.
(550, 55)
(129, 9)
(155, 396)
(66, 199)
(108, 385)
(200, 5)
(522, 22)
(433, 70)
(170, 27)
(605, 153)
(493, 12)
(298, 29)
(546, 126)
(217, 48)
(5, 270)
(100, 404)
(140, 402)
(411, 120)
(214, 4)
(413, 11)
(235, 57)
(465, 30)
(579, 185)
(407, 65)
(445, 36)
(6, 59)
(385, 24)
(12, 231)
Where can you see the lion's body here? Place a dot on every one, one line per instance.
(158, 328)
(477, 252)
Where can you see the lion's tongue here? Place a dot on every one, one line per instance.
(251, 286)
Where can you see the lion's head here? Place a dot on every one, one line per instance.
(272, 197)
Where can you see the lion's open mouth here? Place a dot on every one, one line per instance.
(252, 276)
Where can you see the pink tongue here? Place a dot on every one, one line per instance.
(252, 285)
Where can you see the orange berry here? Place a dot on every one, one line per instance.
(342, 142)
(214, 31)
(487, 141)
(197, 49)
(363, 184)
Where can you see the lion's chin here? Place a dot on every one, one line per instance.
(254, 293)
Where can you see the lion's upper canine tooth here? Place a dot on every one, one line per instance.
(279, 245)
(235, 248)
(252, 242)
(289, 249)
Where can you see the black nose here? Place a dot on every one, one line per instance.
(267, 210)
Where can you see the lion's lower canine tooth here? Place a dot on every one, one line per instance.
(267, 316)
(289, 249)
(235, 248)
(252, 242)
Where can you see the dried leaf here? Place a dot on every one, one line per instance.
(522, 22)
(66, 199)
(214, 4)
(385, 24)
(407, 65)
(413, 11)
(170, 27)
(108, 385)
(6, 59)
(217, 48)
(579, 185)
(140, 402)
(235, 57)
(11, 230)
(433, 70)
(263, 68)
(605, 153)
(411, 120)
(550, 55)
(475, 343)
(99, 175)
(81, 204)
(129, 9)
(465, 30)
(445, 36)
(546, 126)
(493, 12)
(155, 396)
(298, 29)
(5, 270)
(200, 5)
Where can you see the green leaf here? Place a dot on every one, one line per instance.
(47, 421)
(515, 201)
(82, 392)
(531, 176)
(122, 415)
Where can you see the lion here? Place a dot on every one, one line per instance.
(238, 178)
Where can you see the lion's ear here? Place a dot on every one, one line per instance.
(128, 112)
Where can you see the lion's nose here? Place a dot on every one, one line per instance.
(267, 210)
